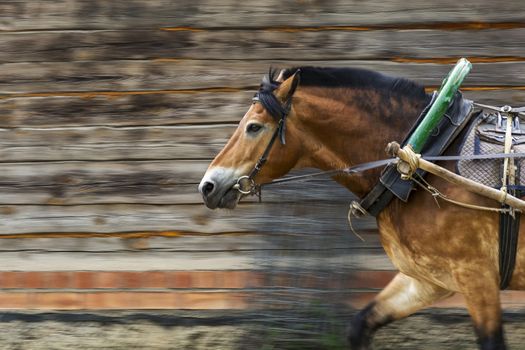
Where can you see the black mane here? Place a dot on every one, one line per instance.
(385, 85)
(347, 77)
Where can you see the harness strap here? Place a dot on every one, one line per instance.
(377, 199)
(509, 222)
(264, 157)
(509, 225)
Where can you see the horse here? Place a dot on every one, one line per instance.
(333, 118)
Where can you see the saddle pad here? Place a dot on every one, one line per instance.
(487, 136)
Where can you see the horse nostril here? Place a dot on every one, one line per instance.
(207, 188)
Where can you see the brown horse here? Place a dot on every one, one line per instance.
(341, 117)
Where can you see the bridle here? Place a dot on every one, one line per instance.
(246, 184)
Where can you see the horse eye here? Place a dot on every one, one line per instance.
(253, 128)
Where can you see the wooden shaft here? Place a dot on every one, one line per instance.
(468, 184)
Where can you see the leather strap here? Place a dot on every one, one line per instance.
(509, 227)
(264, 157)
(279, 131)
(509, 222)
(377, 199)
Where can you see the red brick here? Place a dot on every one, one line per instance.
(207, 279)
(118, 300)
(180, 279)
(95, 301)
(107, 280)
(14, 300)
(58, 280)
(34, 280)
(130, 279)
(212, 300)
(234, 279)
(11, 279)
(154, 300)
(130, 300)
(57, 301)
(155, 279)
(83, 279)
(122, 300)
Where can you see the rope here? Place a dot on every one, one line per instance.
(408, 168)
(357, 211)
(437, 194)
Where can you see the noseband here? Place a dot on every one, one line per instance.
(246, 184)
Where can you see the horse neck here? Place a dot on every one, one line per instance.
(350, 126)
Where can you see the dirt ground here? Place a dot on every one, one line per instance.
(433, 329)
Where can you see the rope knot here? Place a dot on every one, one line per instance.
(392, 149)
(409, 162)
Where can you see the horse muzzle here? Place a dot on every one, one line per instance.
(217, 188)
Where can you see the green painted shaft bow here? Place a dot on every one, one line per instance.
(446, 93)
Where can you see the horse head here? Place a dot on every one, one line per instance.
(236, 169)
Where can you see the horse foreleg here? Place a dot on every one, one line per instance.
(483, 303)
(403, 296)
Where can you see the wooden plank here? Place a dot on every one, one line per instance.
(343, 241)
(125, 110)
(113, 143)
(147, 182)
(66, 14)
(152, 182)
(228, 260)
(125, 76)
(249, 217)
(161, 108)
(257, 44)
(129, 75)
(498, 97)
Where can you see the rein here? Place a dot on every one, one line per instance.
(387, 161)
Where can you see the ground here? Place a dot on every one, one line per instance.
(432, 329)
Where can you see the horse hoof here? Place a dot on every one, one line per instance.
(356, 338)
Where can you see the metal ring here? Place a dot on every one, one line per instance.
(239, 186)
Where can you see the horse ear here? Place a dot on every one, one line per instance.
(288, 86)
(280, 77)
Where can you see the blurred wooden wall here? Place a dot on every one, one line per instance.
(110, 112)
